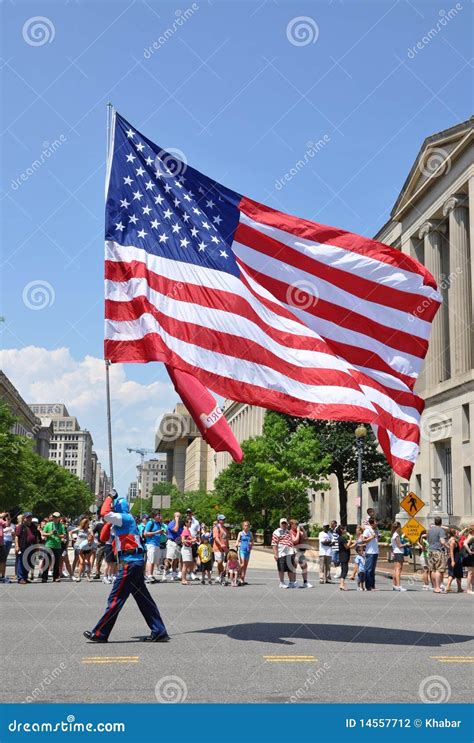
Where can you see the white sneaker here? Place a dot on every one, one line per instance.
(403, 589)
(293, 584)
(360, 589)
(179, 575)
(307, 585)
(425, 588)
(105, 580)
(283, 585)
(77, 580)
(163, 578)
(193, 576)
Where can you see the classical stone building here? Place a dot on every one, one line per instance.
(27, 424)
(433, 221)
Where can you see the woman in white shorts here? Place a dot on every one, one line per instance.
(186, 551)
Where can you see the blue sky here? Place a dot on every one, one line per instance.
(231, 89)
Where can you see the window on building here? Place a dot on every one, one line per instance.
(466, 423)
(448, 471)
(467, 491)
(374, 493)
(418, 486)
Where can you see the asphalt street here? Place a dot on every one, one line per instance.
(255, 643)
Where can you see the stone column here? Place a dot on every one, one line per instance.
(460, 309)
(432, 234)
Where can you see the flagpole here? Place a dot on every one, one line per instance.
(107, 362)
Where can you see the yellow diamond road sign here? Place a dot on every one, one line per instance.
(412, 504)
(413, 530)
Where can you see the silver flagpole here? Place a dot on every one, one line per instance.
(107, 362)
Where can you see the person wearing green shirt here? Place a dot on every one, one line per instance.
(54, 535)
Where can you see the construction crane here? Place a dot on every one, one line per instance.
(142, 453)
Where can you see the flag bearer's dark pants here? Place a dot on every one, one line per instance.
(130, 580)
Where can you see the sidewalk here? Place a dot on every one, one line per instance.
(262, 558)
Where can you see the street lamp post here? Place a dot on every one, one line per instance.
(360, 434)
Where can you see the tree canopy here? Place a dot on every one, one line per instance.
(337, 441)
(28, 482)
(275, 474)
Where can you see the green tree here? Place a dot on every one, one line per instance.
(15, 461)
(337, 441)
(53, 488)
(29, 482)
(276, 472)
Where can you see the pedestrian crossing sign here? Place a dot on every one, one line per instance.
(413, 530)
(412, 504)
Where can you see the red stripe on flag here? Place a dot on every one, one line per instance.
(360, 287)
(150, 348)
(340, 238)
(341, 316)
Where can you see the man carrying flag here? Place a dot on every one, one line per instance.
(260, 306)
(130, 579)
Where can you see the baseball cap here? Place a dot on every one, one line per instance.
(35, 521)
(283, 521)
(220, 517)
(57, 515)
(325, 525)
(189, 510)
(28, 513)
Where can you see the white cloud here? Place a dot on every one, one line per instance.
(44, 376)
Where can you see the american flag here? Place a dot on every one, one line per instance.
(260, 306)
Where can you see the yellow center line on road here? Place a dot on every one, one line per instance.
(453, 658)
(88, 660)
(289, 658)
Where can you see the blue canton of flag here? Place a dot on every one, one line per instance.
(157, 202)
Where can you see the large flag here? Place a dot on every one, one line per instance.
(260, 306)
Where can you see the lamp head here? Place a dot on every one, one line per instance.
(361, 432)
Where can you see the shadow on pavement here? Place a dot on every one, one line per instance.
(276, 632)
